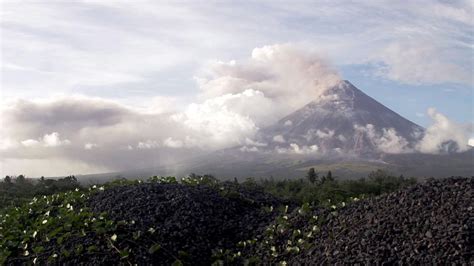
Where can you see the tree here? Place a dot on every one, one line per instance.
(7, 180)
(312, 175)
(329, 176)
(20, 179)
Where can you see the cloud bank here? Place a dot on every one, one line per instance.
(237, 98)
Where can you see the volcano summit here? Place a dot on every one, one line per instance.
(343, 120)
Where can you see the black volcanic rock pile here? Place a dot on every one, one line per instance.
(188, 222)
(427, 223)
(175, 224)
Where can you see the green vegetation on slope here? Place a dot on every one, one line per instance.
(318, 190)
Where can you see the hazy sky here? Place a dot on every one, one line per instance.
(93, 77)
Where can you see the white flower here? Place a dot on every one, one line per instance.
(34, 234)
(47, 213)
(45, 221)
(114, 237)
(34, 260)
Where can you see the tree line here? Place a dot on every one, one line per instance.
(315, 188)
(328, 189)
(17, 189)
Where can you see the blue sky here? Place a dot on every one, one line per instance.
(150, 55)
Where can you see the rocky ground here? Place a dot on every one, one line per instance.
(188, 222)
(163, 224)
(431, 223)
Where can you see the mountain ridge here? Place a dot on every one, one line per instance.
(342, 120)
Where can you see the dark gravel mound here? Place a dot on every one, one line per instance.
(424, 224)
(188, 221)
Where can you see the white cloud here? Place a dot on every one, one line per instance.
(318, 134)
(251, 142)
(30, 143)
(172, 143)
(325, 134)
(296, 149)
(441, 133)
(341, 138)
(90, 146)
(279, 138)
(223, 120)
(53, 140)
(48, 140)
(420, 62)
(471, 142)
(385, 140)
(391, 142)
(148, 144)
(248, 149)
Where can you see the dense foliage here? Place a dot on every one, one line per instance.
(320, 191)
(17, 190)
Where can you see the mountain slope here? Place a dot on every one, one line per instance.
(342, 120)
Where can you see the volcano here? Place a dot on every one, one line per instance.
(342, 120)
